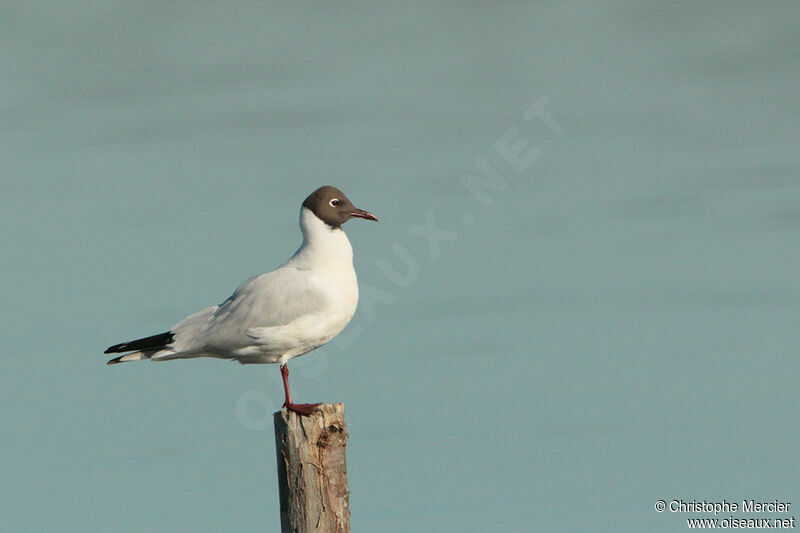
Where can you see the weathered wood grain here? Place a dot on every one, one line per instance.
(312, 470)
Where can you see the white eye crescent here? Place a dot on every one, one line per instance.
(335, 202)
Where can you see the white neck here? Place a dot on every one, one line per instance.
(321, 243)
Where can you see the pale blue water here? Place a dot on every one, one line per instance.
(618, 325)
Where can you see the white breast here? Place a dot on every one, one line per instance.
(326, 257)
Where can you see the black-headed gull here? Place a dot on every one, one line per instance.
(273, 317)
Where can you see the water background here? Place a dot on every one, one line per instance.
(615, 322)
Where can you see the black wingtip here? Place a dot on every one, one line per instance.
(148, 343)
(115, 349)
(115, 361)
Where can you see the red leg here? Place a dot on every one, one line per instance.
(285, 376)
(299, 408)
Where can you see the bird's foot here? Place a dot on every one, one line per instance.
(305, 409)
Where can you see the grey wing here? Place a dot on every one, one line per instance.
(271, 299)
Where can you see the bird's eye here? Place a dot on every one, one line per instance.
(335, 202)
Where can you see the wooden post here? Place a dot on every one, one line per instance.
(312, 472)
